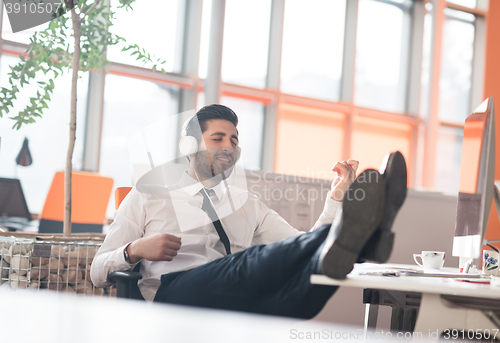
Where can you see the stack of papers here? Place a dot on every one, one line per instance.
(381, 270)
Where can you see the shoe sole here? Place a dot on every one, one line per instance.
(395, 176)
(359, 220)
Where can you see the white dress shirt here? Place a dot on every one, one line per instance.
(177, 211)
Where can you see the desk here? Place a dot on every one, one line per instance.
(54, 317)
(445, 303)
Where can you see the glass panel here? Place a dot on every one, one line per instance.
(373, 138)
(129, 106)
(200, 100)
(20, 37)
(459, 15)
(467, 3)
(246, 43)
(250, 127)
(310, 65)
(205, 38)
(48, 137)
(456, 70)
(316, 135)
(379, 80)
(449, 152)
(154, 26)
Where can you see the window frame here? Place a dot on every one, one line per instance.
(425, 129)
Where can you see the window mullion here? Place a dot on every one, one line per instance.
(478, 63)
(180, 42)
(190, 56)
(93, 122)
(348, 68)
(94, 119)
(213, 80)
(349, 57)
(273, 82)
(275, 44)
(414, 83)
(432, 123)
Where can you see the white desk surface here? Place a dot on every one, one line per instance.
(436, 285)
(58, 317)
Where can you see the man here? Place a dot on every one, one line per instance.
(248, 259)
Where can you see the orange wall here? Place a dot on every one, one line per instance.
(492, 88)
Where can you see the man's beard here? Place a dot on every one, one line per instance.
(206, 170)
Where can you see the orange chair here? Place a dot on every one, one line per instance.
(90, 197)
(120, 194)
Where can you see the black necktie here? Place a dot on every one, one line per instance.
(208, 208)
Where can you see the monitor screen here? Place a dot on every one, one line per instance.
(12, 201)
(477, 169)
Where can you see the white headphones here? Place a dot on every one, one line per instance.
(188, 145)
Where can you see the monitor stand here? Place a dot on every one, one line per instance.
(465, 263)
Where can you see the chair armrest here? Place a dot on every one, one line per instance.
(124, 276)
(126, 283)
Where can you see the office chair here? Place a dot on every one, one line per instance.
(90, 197)
(120, 194)
(126, 281)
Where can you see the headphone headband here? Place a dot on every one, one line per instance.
(186, 124)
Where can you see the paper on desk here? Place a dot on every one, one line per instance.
(380, 270)
(437, 273)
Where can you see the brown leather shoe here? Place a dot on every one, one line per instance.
(362, 211)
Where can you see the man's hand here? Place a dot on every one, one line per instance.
(346, 173)
(159, 247)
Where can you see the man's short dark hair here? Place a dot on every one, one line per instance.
(207, 113)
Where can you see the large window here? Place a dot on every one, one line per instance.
(381, 55)
(309, 141)
(449, 150)
(244, 56)
(373, 138)
(130, 105)
(456, 66)
(313, 82)
(313, 40)
(155, 26)
(455, 84)
(48, 137)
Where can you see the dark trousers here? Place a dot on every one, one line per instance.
(268, 279)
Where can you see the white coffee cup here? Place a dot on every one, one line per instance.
(430, 259)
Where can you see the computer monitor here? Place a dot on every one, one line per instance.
(477, 170)
(14, 213)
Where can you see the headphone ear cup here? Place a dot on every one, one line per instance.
(188, 145)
